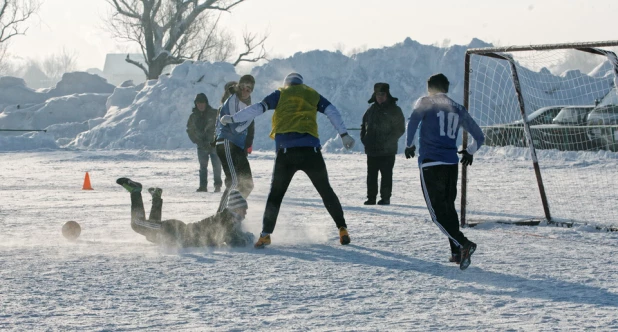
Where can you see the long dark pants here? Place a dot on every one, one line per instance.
(147, 227)
(237, 171)
(152, 226)
(384, 165)
(287, 163)
(203, 156)
(439, 184)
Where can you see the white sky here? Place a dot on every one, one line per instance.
(296, 25)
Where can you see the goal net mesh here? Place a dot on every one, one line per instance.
(570, 100)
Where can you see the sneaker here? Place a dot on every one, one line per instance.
(262, 241)
(370, 202)
(217, 189)
(202, 189)
(129, 185)
(344, 237)
(455, 258)
(155, 192)
(384, 201)
(466, 253)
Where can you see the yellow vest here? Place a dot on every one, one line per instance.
(296, 111)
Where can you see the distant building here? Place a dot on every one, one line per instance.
(116, 70)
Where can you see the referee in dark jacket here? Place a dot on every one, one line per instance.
(383, 125)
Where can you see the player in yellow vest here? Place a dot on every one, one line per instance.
(295, 131)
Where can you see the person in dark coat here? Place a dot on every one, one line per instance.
(223, 228)
(383, 125)
(201, 131)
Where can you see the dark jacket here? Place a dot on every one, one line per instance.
(216, 230)
(201, 126)
(383, 125)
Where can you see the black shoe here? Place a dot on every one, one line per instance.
(217, 189)
(455, 258)
(384, 201)
(155, 192)
(466, 253)
(202, 189)
(129, 185)
(370, 202)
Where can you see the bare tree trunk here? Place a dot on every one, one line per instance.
(168, 31)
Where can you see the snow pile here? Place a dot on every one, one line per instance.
(153, 115)
(64, 111)
(13, 91)
(80, 82)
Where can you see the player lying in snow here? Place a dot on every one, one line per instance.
(224, 228)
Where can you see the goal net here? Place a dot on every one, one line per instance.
(551, 113)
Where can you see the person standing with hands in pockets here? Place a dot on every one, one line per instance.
(201, 130)
(440, 119)
(383, 125)
(295, 131)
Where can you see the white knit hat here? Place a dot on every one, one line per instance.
(293, 78)
(235, 200)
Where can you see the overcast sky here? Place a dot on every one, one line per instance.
(302, 25)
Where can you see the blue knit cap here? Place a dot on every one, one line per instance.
(293, 79)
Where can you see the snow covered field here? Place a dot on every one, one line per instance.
(395, 275)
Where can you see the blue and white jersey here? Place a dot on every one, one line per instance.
(234, 132)
(440, 119)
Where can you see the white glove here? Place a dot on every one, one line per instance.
(348, 141)
(226, 120)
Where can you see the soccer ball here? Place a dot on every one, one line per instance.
(71, 230)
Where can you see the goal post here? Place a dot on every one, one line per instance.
(533, 101)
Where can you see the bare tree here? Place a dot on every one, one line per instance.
(168, 31)
(55, 65)
(13, 14)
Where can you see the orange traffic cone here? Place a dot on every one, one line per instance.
(87, 185)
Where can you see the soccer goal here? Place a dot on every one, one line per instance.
(549, 113)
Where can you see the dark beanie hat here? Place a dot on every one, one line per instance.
(247, 79)
(438, 81)
(381, 87)
(235, 200)
(201, 98)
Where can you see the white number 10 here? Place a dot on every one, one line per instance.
(451, 126)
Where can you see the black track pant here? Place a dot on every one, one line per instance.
(383, 165)
(237, 171)
(147, 227)
(287, 163)
(439, 184)
(151, 227)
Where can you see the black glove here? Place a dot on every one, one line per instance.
(409, 152)
(466, 158)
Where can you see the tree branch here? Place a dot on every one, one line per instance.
(139, 64)
(12, 14)
(250, 45)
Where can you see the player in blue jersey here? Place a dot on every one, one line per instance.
(295, 131)
(440, 119)
(233, 145)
